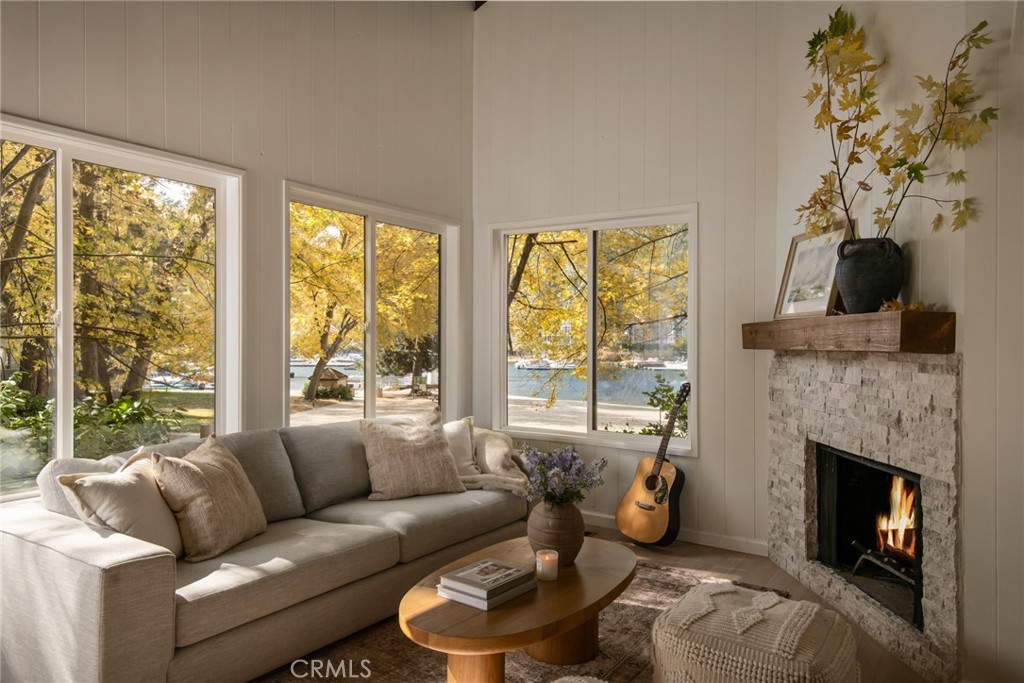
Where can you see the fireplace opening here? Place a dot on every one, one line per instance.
(869, 528)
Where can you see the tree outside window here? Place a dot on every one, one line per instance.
(143, 261)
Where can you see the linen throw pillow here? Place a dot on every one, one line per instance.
(212, 499)
(409, 460)
(127, 501)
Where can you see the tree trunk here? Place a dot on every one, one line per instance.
(35, 364)
(417, 364)
(94, 370)
(138, 371)
(328, 347)
(514, 281)
(314, 379)
(21, 224)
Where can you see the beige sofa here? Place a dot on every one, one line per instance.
(84, 604)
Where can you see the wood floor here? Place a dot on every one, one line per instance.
(877, 665)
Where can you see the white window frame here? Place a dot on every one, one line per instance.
(69, 146)
(374, 213)
(684, 213)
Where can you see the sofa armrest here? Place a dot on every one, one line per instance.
(81, 603)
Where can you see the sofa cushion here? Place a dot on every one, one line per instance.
(266, 463)
(178, 448)
(294, 560)
(428, 523)
(127, 501)
(329, 461)
(212, 499)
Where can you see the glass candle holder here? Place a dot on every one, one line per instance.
(547, 565)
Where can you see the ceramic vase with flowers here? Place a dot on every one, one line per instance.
(558, 480)
(902, 152)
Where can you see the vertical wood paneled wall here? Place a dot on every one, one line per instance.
(593, 107)
(368, 99)
(993, 322)
(575, 108)
(976, 272)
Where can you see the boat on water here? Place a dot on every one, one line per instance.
(165, 381)
(544, 364)
(653, 364)
(345, 361)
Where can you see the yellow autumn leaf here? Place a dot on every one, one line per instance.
(824, 118)
(911, 115)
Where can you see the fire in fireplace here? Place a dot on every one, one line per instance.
(869, 521)
(897, 530)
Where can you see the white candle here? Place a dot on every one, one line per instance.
(547, 565)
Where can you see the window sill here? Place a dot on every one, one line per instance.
(626, 442)
(19, 495)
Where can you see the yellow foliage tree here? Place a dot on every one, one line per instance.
(327, 252)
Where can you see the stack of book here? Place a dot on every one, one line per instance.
(487, 583)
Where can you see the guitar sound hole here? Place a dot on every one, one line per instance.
(652, 482)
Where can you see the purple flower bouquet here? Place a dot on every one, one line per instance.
(560, 476)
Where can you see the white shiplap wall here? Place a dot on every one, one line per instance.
(368, 99)
(595, 107)
(992, 320)
(976, 273)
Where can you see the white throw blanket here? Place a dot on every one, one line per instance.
(498, 469)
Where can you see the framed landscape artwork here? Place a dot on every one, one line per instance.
(809, 281)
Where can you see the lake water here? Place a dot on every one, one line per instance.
(623, 386)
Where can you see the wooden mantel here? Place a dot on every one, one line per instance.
(891, 332)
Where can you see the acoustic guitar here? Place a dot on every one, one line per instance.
(649, 512)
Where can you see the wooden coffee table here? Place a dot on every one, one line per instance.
(557, 623)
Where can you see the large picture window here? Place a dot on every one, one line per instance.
(597, 326)
(113, 329)
(365, 323)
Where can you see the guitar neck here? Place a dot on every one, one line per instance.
(684, 392)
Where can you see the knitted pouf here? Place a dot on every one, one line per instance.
(720, 632)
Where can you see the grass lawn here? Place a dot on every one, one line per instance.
(196, 407)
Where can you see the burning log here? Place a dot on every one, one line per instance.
(897, 531)
(901, 554)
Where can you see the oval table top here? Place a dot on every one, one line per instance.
(601, 572)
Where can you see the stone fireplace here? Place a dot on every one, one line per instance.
(897, 415)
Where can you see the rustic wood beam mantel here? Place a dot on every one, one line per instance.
(890, 332)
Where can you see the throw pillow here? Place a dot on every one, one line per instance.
(409, 460)
(51, 493)
(127, 501)
(212, 499)
(460, 440)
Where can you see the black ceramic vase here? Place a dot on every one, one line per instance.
(869, 272)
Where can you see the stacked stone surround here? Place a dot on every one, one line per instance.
(899, 409)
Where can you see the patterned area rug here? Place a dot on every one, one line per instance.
(625, 646)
